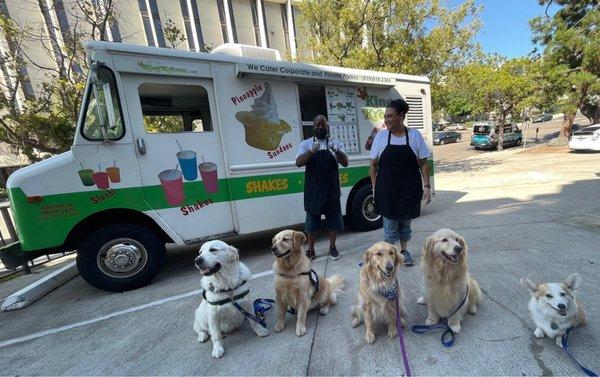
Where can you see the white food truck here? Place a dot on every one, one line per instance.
(180, 147)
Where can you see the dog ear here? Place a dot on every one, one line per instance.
(235, 253)
(429, 242)
(398, 257)
(573, 281)
(367, 255)
(462, 243)
(273, 241)
(529, 285)
(299, 239)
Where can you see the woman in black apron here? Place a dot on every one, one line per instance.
(322, 185)
(397, 174)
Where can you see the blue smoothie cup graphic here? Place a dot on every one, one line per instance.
(187, 161)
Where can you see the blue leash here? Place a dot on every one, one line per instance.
(565, 345)
(448, 335)
(261, 306)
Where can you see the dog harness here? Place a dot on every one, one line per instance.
(442, 324)
(312, 276)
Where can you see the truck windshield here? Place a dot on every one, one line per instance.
(482, 130)
(96, 115)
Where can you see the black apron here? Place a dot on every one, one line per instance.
(398, 186)
(322, 184)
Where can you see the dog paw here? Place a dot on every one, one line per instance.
(356, 322)
(558, 341)
(538, 333)
(473, 309)
(324, 310)
(421, 301)
(279, 327)
(202, 336)
(455, 327)
(218, 352)
(300, 330)
(402, 322)
(430, 321)
(262, 332)
(370, 338)
(392, 333)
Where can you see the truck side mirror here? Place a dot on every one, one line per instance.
(102, 93)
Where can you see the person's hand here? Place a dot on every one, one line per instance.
(315, 147)
(427, 195)
(334, 145)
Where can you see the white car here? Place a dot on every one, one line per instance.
(455, 127)
(587, 139)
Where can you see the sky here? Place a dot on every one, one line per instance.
(505, 27)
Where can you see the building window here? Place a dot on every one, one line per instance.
(191, 21)
(152, 23)
(286, 30)
(221, 7)
(294, 18)
(264, 16)
(232, 20)
(255, 21)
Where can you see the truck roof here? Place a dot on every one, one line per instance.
(273, 67)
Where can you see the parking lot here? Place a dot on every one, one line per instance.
(522, 214)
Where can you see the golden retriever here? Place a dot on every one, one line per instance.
(447, 279)
(377, 290)
(294, 281)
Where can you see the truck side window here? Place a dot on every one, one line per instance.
(92, 129)
(170, 108)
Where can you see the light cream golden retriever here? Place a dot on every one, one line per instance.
(444, 263)
(295, 281)
(377, 290)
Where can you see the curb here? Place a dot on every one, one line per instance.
(35, 291)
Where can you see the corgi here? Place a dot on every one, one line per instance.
(553, 307)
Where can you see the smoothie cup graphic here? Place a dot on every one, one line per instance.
(101, 180)
(208, 172)
(187, 161)
(87, 177)
(171, 181)
(114, 174)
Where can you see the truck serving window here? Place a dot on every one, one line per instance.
(96, 113)
(169, 108)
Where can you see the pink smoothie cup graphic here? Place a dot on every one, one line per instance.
(208, 172)
(114, 174)
(101, 179)
(87, 177)
(187, 161)
(171, 181)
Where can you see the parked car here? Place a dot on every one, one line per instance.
(455, 127)
(485, 135)
(445, 137)
(437, 127)
(542, 118)
(586, 139)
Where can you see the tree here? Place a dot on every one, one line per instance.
(409, 36)
(173, 35)
(45, 125)
(571, 43)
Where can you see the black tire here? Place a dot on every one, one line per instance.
(360, 218)
(136, 247)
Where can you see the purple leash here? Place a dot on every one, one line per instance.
(401, 340)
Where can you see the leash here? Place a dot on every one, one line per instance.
(565, 344)
(448, 335)
(401, 340)
(260, 306)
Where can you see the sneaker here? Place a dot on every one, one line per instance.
(310, 253)
(408, 261)
(335, 254)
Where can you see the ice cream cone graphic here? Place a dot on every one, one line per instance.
(263, 128)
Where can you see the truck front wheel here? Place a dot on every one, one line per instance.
(362, 210)
(120, 257)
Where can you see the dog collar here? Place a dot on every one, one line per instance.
(389, 293)
(212, 288)
(227, 300)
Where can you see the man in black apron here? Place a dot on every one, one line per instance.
(400, 175)
(321, 157)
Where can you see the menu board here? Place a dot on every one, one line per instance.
(341, 112)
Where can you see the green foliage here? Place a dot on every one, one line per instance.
(173, 35)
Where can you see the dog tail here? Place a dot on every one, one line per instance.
(337, 284)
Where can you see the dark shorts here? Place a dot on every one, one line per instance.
(334, 222)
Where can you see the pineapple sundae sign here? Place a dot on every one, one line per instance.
(262, 127)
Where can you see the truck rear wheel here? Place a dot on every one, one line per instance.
(120, 257)
(362, 210)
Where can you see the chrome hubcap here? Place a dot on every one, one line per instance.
(122, 258)
(368, 209)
